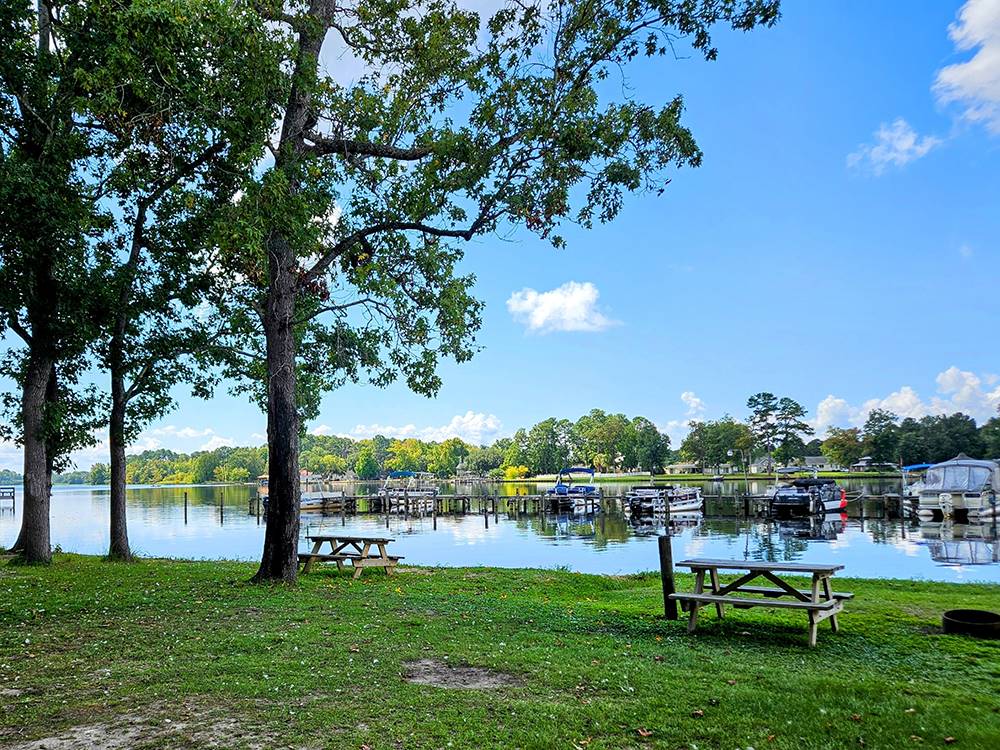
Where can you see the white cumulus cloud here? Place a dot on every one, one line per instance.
(896, 144)
(181, 432)
(218, 441)
(957, 391)
(570, 307)
(472, 427)
(974, 84)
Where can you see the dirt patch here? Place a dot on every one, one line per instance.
(415, 571)
(193, 727)
(440, 674)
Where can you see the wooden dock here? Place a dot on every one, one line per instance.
(865, 507)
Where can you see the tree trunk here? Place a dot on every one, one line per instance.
(279, 561)
(33, 542)
(118, 549)
(280, 558)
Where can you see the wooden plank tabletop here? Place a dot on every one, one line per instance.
(753, 565)
(342, 538)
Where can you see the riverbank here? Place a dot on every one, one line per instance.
(183, 654)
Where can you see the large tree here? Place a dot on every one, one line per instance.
(348, 242)
(181, 104)
(48, 219)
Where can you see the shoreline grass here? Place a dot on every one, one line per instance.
(186, 654)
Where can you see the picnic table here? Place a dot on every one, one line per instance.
(819, 601)
(353, 549)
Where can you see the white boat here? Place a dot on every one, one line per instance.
(309, 500)
(962, 486)
(661, 499)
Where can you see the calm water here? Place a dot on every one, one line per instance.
(218, 525)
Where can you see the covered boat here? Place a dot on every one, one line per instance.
(566, 495)
(962, 486)
(799, 497)
(660, 499)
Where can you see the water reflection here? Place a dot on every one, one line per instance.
(222, 522)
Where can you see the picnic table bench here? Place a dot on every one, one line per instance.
(819, 601)
(353, 549)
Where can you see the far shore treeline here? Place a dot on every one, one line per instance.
(606, 442)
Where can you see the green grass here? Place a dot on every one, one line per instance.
(191, 653)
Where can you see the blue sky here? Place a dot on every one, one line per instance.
(840, 245)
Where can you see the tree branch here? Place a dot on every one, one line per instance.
(348, 147)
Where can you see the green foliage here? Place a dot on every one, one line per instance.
(708, 444)
(881, 436)
(843, 447)
(366, 467)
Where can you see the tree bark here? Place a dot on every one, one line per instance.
(34, 543)
(279, 561)
(119, 547)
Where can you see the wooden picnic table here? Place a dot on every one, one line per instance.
(819, 601)
(353, 549)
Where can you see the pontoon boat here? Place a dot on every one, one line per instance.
(577, 497)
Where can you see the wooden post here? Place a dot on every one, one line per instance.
(185, 508)
(434, 514)
(222, 512)
(667, 575)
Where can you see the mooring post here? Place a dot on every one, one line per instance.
(667, 575)
(434, 515)
(185, 508)
(222, 514)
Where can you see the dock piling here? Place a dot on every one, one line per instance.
(667, 575)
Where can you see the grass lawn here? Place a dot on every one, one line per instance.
(180, 655)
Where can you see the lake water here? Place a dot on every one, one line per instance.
(218, 525)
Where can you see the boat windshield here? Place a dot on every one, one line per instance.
(957, 477)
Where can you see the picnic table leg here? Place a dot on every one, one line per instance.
(309, 560)
(699, 587)
(828, 593)
(389, 566)
(719, 606)
(358, 568)
(813, 622)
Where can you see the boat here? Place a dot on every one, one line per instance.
(822, 527)
(963, 487)
(813, 496)
(408, 491)
(912, 487)
(333, 500)
(718, 478)
(565, 495)
(660, 499)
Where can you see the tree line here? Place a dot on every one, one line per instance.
(187, 196)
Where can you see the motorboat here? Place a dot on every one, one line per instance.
(800, 497)
(663, 498)
(567, 495)
(962, 486)
(822, 527)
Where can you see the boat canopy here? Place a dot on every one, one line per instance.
(963, 474)
(577, 470)
(917, 467)
(401, 474)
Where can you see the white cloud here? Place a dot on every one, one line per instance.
(323, 429)
(218, 441)
(957, 391)
(472, 427)
(974, 84)
(896, 144)
(678, 428)
(570, 307)
(694, 404)
(181, 432)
